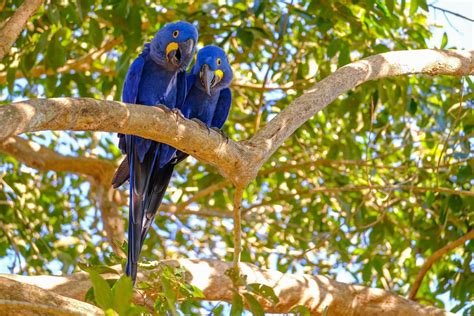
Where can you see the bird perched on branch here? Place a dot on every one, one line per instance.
(157, 76)
(208, 96)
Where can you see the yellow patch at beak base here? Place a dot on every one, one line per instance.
(219, 74)
(171, 47)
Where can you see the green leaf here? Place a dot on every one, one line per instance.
(246, 37)
(102, 291)
(464, 174)
(444, 40)
(390, 5)
(217, 311)
(413, 7)
(344, 55)
(333, 48)
(11, 77)
(122, 293)
(197, 293)
(412, 106)
(300, 310)
(422, 4)
(95, 32)
(55, 54)
(263, 290)
(237, 305)
(100, 269)
(83, 8)
(255, 307)
(169, 293)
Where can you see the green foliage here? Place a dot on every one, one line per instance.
(311, 210)
(113, 296)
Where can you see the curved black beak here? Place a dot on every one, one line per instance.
(176, 52)
(206, 75)
(209, 78)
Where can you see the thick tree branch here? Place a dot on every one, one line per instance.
(430, 62)
(317, 293)
(237, 161)
(18, 298)
(13, 27)
(45, 159)
(438, 254)
(157, 123)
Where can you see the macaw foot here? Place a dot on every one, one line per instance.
(177, 112)
(201, 123)
(221, 133)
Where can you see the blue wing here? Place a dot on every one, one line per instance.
(222, 108)
(167, 152)
(187, 106)
(130, 86)
(182, 89)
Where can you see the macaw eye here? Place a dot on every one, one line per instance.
(175, 34)
(219, 62)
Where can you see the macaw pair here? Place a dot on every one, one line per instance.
(158, 76)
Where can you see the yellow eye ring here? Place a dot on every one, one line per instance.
(175, 34)
(219, 62)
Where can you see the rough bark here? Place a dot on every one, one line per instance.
(237, 161)
(317, 293)
(18, 298)
(13, 27)
(157, 123)
(426, 61)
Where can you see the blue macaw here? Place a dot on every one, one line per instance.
(208, 97)
(157, 76)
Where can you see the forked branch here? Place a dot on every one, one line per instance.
(237, 161)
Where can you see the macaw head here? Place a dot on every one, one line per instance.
(213, 69)
(173, 45)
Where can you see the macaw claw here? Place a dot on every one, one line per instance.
(177, 112)
(221, 133)
(201, 123)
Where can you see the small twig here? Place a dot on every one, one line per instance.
(438, 254)
(238, 194)
(451, 12)
(453, 125)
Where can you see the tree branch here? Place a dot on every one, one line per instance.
(237, 161)
(426, 61)
(238, 194)
(451, 12)
(45, 159)
(18, 298)
(13, 27)
(438, 254)
(93, 115)
(83, 63)
(317, 293)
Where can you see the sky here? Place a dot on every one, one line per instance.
(460, 34)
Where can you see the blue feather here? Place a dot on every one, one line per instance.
(157, 76)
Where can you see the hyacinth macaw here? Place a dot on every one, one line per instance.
(208, 97)
(157, 76)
